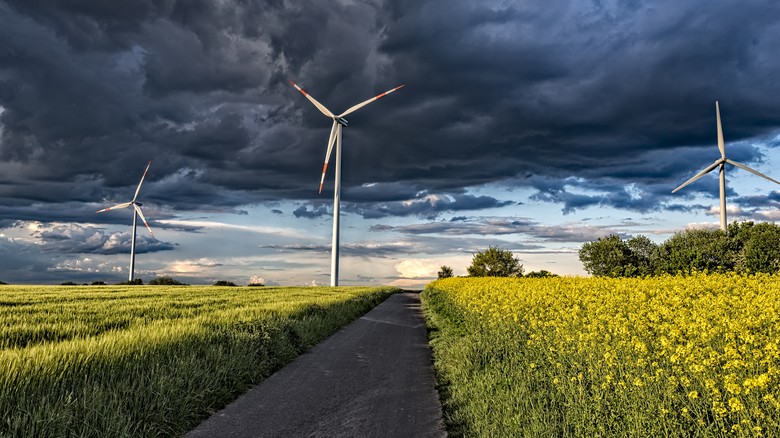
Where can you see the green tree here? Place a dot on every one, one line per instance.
(755, 247)
(136, 282)
(608, 257)
(224, 283)
(644, 255)
(696, 250)
(165, 280)
(541, 274)
(445, 272)
(495, 262)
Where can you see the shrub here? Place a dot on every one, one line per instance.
(695, 251)
(495, 262)
(746, 248)
(445, 272)
(68, 283)
(541, 274)
(255, 285)
(98, 283)
(165, 280)
(135, 282)
(224, 283)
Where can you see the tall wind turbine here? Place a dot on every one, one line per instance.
(335, 136)
(721, 164)
(136, 212)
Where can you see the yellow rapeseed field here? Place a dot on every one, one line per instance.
(696, 355)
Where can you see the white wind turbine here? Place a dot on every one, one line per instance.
(335, 136)
(136, 212)
(721, 163)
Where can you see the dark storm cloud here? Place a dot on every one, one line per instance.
(486, 226)
(78, 239)
(22, 262)
(410, 244)
(426, 206)
(610, 93)
(421, 205)
(770, 200)
(309, 211)
(26, 262)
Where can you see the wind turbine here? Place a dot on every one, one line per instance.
(335, 136)
(136, 212)
(721, 164)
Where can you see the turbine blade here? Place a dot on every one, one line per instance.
(362, 104)
(753, 171)
(138, 209)
(116, 207)
(319, 106)
(721, 146)
(331, 142)
(699, 175)
(138, 189)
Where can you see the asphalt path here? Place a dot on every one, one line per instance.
(373, 378)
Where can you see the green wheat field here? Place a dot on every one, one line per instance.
(151, 361)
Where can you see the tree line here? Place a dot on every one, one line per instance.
(746, 247)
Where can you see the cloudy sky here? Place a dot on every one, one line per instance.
(533, 126)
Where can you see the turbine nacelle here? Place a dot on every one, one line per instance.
(341, 121)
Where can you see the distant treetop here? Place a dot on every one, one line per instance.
(224, 283)
(445, 272)
(165, 280)
(495, 262)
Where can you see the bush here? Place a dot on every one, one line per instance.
(68, 283)
(695, 251)
(445, 272)
(495, 262)
(98, 283)
(607, 257)
(224, 283)
(747, 248)
(136, 282)
(541, 274)
(255, 285)
(756, 247)
(2, 282)
(165, 280)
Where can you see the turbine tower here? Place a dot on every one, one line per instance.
(721, 165)
(335, 136)
(136, 212)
